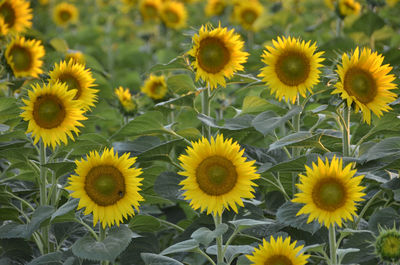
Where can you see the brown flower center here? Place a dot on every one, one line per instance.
(21, 57)
(292, 68)
(329, 194)
(105, 185)
(278, 260)
(72, 82)
(360, 84)
(48, 111)
(150, 11)
(216, 175)
(249, 16)
(8, 13)
(171, 16)
(65, 15)
(213, 55)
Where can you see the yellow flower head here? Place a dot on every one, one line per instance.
(215, 7)
(128, 106)
(76, 57)
(292, 67)
(278, 252)
(107, 186)
(173, 14)
(3, 27)
(149, 9)
(247, 14)
(52, 114)
(65, 14)
(155, 87)
(330, 192)
(218, 175)
(366, 82)
(349, 7)
(78, 79)
(17, 14)
(25, 57)
(392, 3)
(330, 4)
(218, 54)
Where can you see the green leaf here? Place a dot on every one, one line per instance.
(61, 168)
(118, 238)
(155, 259)
(385, 218)
(247, 223)
(54, 258)
(316, 248)
(167, 185)
(184, 246)
(254, 104)
(232, 251)
(41, 214)
(65, 208)
(205, 236)
(149, 122)
(290, 166)
(59, 45)
(267, 121)
(385, 148)
(237, 123)
(13, 230)
(183, 100)
(180, 84)
(287, 214)
(368, 23)
(144, 223)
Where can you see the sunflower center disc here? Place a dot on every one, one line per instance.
(292, 68)
(105, 185)
(72, 83)
(65, 15)
(360, 83)
(390, 246)
(329, 194)
(278, 260)
(213, 55)
(249, 16)
(8, 13)
(171, 16)
(21, 58)
(156, 88)
(216, 175)
(48, 111)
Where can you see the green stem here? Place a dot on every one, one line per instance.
(205, 109)
(43, 193)
(346, 131)
(230, 239)
(338, 27)
(94, 234)
(102, 236)
(332, 245)
(220, 257)
(296, 150)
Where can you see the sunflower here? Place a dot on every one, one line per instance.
(25, 57)
(329, 192)
(247, 14)
(387, 245)
(78, 79)
(292, 67)
(349, 7)
(173, 14)
(76, 57)
(107, 186)
(218, 54)
(279, 252)
(149, 9)
(215, 7)
(218, 175)
(366, 82)
(155, 87)
(65, 14)
(392, 3)
(16, 14)
(52, 114)
(128, 106)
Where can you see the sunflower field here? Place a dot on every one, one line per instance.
(199, 132)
